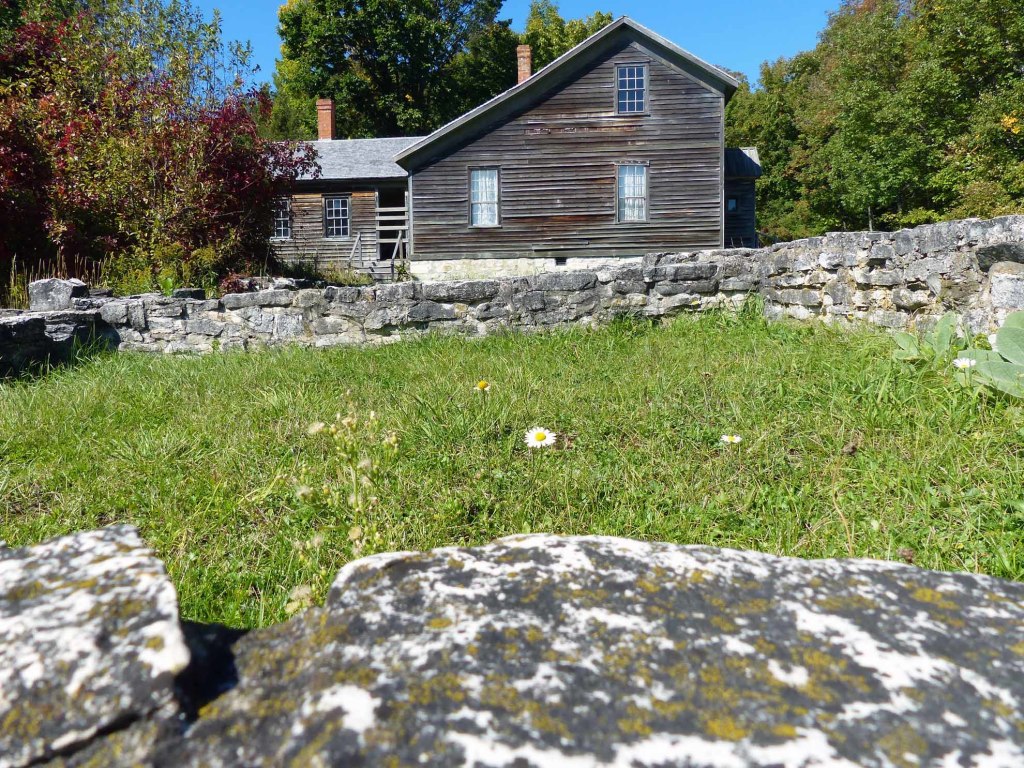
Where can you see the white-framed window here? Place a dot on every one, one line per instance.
(484, 197)
(282, 218)
(336, 217)
(631, 90)
(632, 193)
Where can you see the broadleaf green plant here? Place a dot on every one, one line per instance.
(1001, 369)
(936, 348)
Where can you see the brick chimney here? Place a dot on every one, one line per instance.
(524, 54)
(325, 119)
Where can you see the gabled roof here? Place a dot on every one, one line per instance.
(562, 70)
(742, 163)
(359, 159)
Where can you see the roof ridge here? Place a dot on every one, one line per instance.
(623, 21)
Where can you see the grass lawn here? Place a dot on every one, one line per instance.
(844, 453)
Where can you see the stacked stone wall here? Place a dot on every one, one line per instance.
(894, 280)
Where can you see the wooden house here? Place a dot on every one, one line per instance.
(612, 151)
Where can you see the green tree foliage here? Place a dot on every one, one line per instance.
(907, 111)
(402, 68)
(293, 114)
(387, 63)
(550, 35)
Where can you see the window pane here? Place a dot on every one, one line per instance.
(483, 185)
(282, 219)
(632, 89)
(632, 193)
(336, 218)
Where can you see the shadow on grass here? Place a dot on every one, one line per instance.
(23, 361)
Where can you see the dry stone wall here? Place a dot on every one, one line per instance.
(893, 280)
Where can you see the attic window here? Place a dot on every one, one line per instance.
(732, 204)
(632, 89)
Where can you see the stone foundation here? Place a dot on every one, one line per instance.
(898, 280)
(486, 269)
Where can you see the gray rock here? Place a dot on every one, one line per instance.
(289, 326)
(794, 296)
(911, 300)
(462, 291)
(541, 650)
(55, 294)
(204, 326)
(990, 255)
(690, 286)
(397, 291)
(427, 311)
(1007, 285)
(564, 281)
(89, 642)
(272, 298)
(877, 277)
(341, 294)
(115, 312)
(680, 272)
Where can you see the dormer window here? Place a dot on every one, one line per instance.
(632, 89)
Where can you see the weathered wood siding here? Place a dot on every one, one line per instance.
(308, 243)
(741, 226)
(558, 171)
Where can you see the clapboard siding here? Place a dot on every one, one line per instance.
(741, 226)
(308, 243)
(558, 159)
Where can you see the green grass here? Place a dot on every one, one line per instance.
(201, 453)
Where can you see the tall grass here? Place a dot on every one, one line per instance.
(844, 453)
(14, 293)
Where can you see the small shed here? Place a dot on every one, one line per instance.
(356, 210)
(742, 170)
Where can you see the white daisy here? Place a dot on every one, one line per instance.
(964, 362)
(483, 386)
(538, 437)
(732, 439)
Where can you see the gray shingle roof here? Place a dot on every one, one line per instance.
(742, 163)
(350, 159)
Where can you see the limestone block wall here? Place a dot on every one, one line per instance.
(896, 280)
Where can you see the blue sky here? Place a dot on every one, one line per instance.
(738, 34)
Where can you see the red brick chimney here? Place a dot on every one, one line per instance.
(524, 54)
(325, 119)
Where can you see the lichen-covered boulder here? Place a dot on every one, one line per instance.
(571, 652)
(89, 644)
(54, 294)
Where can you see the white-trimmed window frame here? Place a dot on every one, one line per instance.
(475, 203)
(620, 198)
(624, 74)
(346, 220)
(282, 218)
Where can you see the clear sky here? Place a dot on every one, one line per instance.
(738, 35)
